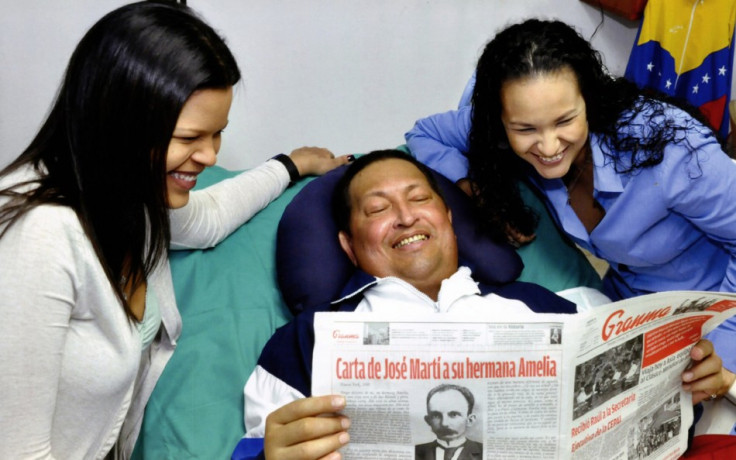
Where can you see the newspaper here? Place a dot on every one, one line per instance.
(603, 384)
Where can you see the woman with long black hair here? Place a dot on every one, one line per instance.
(87, 214)
(634, 177)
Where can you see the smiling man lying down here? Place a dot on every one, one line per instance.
(397, 230)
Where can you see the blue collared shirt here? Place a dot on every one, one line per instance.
(668, 227)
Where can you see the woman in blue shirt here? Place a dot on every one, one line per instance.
(637, 180)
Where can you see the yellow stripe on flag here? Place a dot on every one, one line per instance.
(689, 30)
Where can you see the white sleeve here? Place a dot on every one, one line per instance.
(264, 393)
(215, 212)
(37, 282)
(585, 298)
(731, 395)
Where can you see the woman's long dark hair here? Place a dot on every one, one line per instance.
(102, 150)
(533, 48)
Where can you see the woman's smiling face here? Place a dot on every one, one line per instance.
(545, 121)
(196, 141)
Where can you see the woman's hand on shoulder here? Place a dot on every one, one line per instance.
(518, 239)
(315, 161)
(706, 378)
(308, 428)
(466, 185)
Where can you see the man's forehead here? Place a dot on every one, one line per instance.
(387, 176)
(450, 394)
(388, 190)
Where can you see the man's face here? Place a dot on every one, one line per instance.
(399, 226)
(447, 415)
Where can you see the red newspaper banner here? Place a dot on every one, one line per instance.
(664, 341)
(723, 305)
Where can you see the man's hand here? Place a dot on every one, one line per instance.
(705, 377)
(315, 161)
(307, 429)
(729, 378)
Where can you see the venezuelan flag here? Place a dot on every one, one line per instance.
(684, 48)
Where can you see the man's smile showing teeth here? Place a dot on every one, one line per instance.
(411, 239)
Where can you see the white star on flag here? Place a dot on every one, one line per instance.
(650, 66)
(695, 89)
(722, 70)
(706, 78)
(668, 84)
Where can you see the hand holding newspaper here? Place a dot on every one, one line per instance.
(602, 384)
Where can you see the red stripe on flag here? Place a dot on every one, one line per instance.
(714, 110)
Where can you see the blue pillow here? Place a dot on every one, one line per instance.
(312, 268)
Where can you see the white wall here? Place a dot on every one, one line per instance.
(352, 76)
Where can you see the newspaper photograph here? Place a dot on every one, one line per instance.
(601, 384)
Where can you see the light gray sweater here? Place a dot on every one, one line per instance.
(72, 377)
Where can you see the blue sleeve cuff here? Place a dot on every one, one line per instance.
(724, 342)
(440, 142)
(249, 449)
